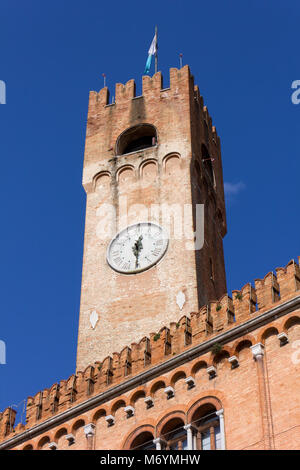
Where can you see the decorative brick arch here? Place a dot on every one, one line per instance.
(99, 175)
(281, 322)
(120, 402)
(171, 157)
(60, 432)
(154, 384)
(77, 424)
(44, 440)
(99, 413)
(293, 320)
(182, 368)
(179, 374)
(149, 161)
(225, 353)
(271, 331)
(197, 365)
(205, 400)
(138, 393)
(134, 434)
(28, 447)
(170, 415)
(238, 345)
(124, 168)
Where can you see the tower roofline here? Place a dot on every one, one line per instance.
(181, 82)
(149, 86)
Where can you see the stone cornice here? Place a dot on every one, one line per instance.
(159, 369)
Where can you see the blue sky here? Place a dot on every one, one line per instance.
(244, 57)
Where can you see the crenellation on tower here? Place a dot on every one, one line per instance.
(152, 86)
(244, 302)
(267, 290)
(126, 92)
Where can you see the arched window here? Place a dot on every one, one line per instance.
(136, 138)
(207, 428)
(28, 447)
(144, 441)
(173, 435)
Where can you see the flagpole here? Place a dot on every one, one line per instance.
(156, 49)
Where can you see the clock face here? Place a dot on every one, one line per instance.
(137, 248)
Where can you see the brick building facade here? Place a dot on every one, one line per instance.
(195, 368)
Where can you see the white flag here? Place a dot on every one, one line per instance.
(152, 51)
(153, 48)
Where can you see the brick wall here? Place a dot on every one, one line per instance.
(260, 399)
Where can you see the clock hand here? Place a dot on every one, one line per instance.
(137, 248)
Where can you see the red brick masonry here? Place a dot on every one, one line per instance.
(260, 397)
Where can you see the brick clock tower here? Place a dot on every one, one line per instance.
(153, 178)
(166, 359)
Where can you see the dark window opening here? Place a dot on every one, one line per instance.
(207, 162)
(147, 353)
(178, 441)
(174, 435)
(136, 138)
(139, 144)
(127, 368)
(143, 441)
(207, 428)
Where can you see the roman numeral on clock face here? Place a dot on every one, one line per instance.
(126, 266)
